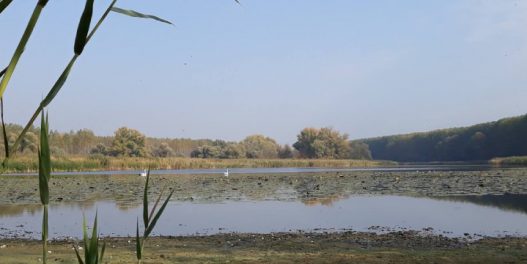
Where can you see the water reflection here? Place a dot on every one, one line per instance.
(326, 201)
(452, 217)
(511, 202)
(507, 202)
(400, 168)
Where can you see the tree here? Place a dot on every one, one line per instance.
(128, 143)
(82, 141)
(100, 149)
(206, 152)
(285, 152)
(163, 151)
(260, 147)
(29, 143)
(322, 143)
(233, 151)
(305, 140)
(359, 150)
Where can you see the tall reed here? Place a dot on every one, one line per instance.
(92, 255)
(149, 218)
(44, 174)
(22, 43)
(81, 40)
(95, 163)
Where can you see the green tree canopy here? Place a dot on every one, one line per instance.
(206, 152)
(285, 152)
(128, 142)
(359, 150)
(163, 151)
(322, 143)
(260, 147)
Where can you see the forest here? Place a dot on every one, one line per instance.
(502, 138)
(481, 142)
(312, 143)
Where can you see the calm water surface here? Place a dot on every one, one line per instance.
(452, 216)
(402, 168)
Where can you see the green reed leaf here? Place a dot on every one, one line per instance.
(4, 132)
(4, 4)
(45, 235)
(133, 13)
(156, 204)
(138, 247)
(85, 238)
(145, 200)
(158, 215)
(102, 252)
(42, 182)
(91, 244)
(44, 147)
(2, 72)
(56, 87)
(44, 161)
(59, 83)
(94, 245)
(83, 27)
(79, 259)
(21, 46)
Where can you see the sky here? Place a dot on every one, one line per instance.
(273, 67)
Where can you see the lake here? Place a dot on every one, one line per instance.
(451, 201)
(489, 215)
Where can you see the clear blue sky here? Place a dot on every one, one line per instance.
(367, 68)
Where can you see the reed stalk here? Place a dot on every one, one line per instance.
(59, 83)
(22, 43)
(149, 218)
(44, 174)
(92, 255)
(80, 43)
(4, 4)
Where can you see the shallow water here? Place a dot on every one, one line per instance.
(401, 168)
(489, 215)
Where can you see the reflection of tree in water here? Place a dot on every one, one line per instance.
(125, 206)
(18, 209)
(326, 201)
(36, 209)
(127, 190)
(511, 202)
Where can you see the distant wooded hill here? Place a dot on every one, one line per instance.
(502, 138)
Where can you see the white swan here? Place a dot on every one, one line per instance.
(143, 174)
(226, 173)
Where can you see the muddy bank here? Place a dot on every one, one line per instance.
(397, 247)
(307, 187)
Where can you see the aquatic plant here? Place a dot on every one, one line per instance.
(98, 162)
(82, 38)
(22, 43)
(44, 174)
(44, 156)
(92, 255)
(149, 218)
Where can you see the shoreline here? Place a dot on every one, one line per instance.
(88, 164)
(407, 247)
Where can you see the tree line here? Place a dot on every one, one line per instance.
(313, 143)
(502, 138)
